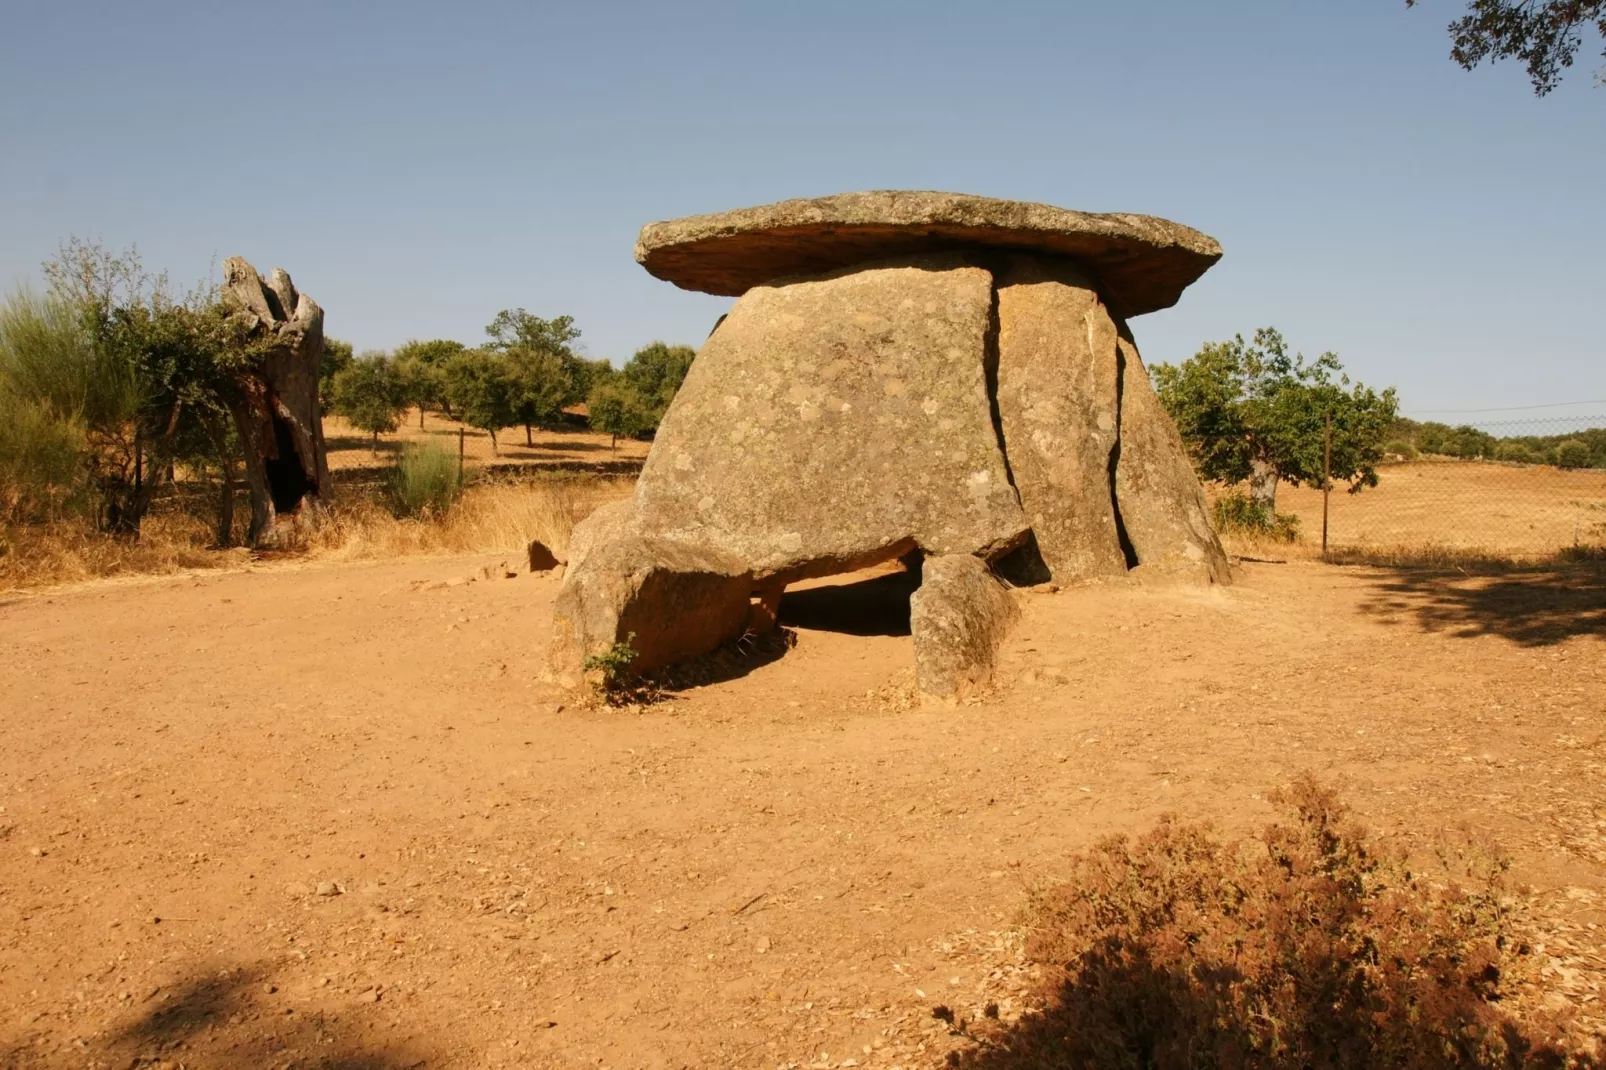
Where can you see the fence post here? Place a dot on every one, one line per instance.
(1327, 476)
(461, 434)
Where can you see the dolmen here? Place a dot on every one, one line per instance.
(933, 377)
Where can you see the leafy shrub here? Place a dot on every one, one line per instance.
(613, 664)
(1242, 514)
(423, 480)
(1402, 448)
(1304, 946)
(1573, 453)
(1516, 453)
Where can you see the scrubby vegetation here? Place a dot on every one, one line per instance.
(1573, 449)
(423, 481)
(1242, 515)
(1309, 945)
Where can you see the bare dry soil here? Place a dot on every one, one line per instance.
(330, 814)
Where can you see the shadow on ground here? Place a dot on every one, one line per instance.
(1146, 1015)
(228, 1018)
(876, 606)
(1532, 606)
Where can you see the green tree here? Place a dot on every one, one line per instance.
(656, 372)
(422, 366)
(436, 351)
(515, 328)
(484, 391)
(617, 409)
(370, 395)
(147, 375)
(422, 384)
(1573, 453)
(544, 385)
(1250, 410)
(337, 355)
(1544, 35)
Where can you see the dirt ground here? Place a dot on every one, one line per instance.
(1468, 505)
(330, 814)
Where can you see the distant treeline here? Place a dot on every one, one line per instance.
(1575, 449)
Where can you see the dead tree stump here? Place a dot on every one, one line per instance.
(276, 407)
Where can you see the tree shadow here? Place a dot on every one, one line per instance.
(228, 1018)
(875, 606)
(342, 443)
(1538, 605)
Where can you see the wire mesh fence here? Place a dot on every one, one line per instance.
(1511, 488)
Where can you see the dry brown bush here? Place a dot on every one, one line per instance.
(1305, 946)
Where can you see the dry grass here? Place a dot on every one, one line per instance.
(488, 518)
(491, 517)
(1532, 511)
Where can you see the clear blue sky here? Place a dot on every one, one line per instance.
(418, 166)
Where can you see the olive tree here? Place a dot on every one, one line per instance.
(483, 391)
(371, 395)
(617, 409)
(1253, 411)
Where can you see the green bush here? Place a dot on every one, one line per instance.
(1573, 453)
(1242, 514)
(1516, 453)
(1404, 449)
(423, 481)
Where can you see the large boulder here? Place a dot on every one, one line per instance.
(1059, 408)
(669, 602)
(834, 422)
(1142, 263)
(1162, 504)
(958, 618)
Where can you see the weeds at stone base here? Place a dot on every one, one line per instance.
(1306, 945)
(1237, 512)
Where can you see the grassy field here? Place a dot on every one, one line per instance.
(1514, 510)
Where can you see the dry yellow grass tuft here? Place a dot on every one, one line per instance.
(490, 517)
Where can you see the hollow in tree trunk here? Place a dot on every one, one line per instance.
(276, 412)
(1263, 485)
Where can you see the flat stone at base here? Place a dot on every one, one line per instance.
(958, 618)
(1162, 504)
(669, 602)
(1059, 412)
(833, 423)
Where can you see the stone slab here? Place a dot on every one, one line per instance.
(836, 422)
(1142, 263)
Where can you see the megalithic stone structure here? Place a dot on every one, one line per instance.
(904, 371)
